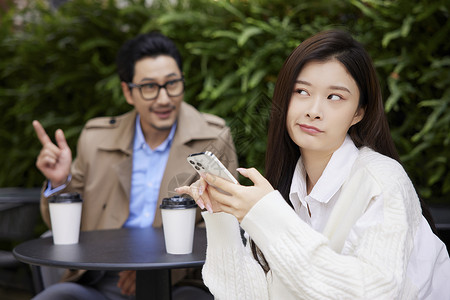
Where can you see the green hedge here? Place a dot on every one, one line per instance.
(58, 66)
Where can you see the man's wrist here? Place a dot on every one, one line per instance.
(55, 185)
(52, 190)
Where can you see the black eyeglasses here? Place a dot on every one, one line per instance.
(150, 91)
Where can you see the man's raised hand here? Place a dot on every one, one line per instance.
(54, 160)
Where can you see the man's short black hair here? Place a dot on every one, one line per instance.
(144, 45)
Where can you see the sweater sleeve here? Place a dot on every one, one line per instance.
(308, 267)
(230, 272)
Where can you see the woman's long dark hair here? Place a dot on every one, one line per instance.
(372, 131)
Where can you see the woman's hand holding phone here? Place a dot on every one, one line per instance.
(203, 163)
(219, 192)
(198, 192)
(239, 199)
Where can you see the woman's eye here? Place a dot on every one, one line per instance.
(334, 97)
(301, 92)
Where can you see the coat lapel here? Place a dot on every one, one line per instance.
(191, 127)
(123, 141)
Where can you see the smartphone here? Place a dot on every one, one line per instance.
(207, 162)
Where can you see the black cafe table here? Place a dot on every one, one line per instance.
(140, 249)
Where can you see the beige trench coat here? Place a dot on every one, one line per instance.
(101, 171)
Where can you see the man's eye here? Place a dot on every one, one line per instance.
(334, 97)
(149, 86)
(169, 83)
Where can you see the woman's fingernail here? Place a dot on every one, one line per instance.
(200, 190)
(200, 203)
(208, 208)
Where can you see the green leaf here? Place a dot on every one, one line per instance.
(256, 78)
(247, 34)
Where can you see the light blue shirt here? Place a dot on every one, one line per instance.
(148, 169)
(50, 191)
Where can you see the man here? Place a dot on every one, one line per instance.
(125, 165)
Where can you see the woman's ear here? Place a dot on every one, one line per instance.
(127, 93)
(359, 115)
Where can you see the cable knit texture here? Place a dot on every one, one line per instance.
(303, 265)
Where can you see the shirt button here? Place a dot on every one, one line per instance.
(149, 184)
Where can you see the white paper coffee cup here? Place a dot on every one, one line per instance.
(65, 218)
(178, 216)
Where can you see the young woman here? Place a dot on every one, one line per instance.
(345, 221)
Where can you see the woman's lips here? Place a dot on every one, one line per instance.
(310, 129)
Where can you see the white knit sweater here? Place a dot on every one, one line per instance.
(302, 263)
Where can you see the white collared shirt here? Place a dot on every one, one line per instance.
(323, 196)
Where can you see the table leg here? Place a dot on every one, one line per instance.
(153, 284)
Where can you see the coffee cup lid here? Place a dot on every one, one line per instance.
(66, 198)
(178, 202)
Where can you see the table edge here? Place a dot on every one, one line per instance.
(111, 266)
